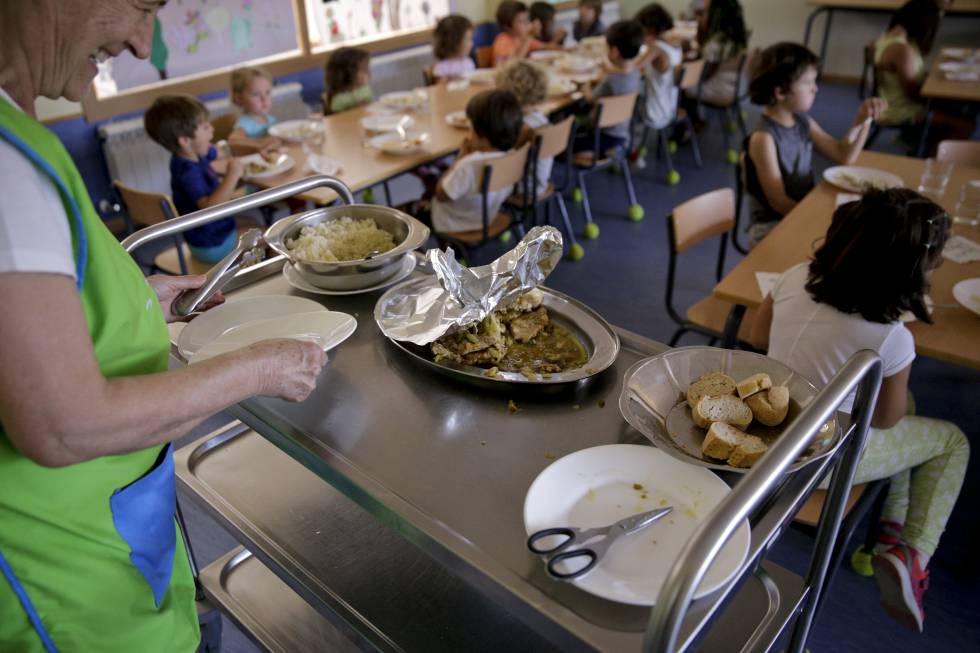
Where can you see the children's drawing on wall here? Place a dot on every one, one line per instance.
(336, 21)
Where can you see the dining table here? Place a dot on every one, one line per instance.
(939, 85)
(953, 337)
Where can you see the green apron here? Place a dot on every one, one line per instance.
(98, 574)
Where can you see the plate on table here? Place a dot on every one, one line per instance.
(601, 485)
(392, 142)
(295, 131)
(242, 322)
(958, 53)
(482, 76)
(576, 64)
(546, 56)
(857, 179)
(560, 87)
(386, 122)
(257, 167)
(967, 293)
(458, 119)
(323, 165)
(403, 99)
(295, 280)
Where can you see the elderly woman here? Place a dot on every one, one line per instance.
(90, 558)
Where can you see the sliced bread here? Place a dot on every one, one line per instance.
(726, 408)
(770, 406)
(753, 384)
(721, 440)
(712, 383)
(749, 450)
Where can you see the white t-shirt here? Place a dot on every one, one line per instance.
(464, 211)
(659, 89)
(817, 339)
(34, 231)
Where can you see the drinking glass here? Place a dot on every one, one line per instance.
(935, 176)
(967, 209)
(314, 137)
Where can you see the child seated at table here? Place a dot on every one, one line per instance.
(658, 66)
(515, 40)
(529, 84)
(849, 298)
(624, 38)
(251, 91)
(543, 25)
(347, 79)
(589, 21)
(722, 39)
(452, 40)
(180, 124)
(778, 166)
(496, 120)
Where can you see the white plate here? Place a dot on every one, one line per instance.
(268, 169)
(323, 165)
(241, 322)
(595, 487)
(963, 76)
(857, 178)
(482, 76)
(458, 119)
(299, 283)
(403, 99)
(296, 130)
(560, 87)
(546, 56)
(391, 142)
(386, 122)
(967, 293)
(576, 64)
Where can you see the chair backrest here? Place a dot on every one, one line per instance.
(145, 208)
(554, 138)
(866, 85)
(615, 109)
(505, 171)
(702, 217)
(484, 57)
(965, 153)
(224, 125)
(427, 75)
(688, 74)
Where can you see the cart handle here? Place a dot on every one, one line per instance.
(227, 209)
(862, 371)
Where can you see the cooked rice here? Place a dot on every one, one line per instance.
(344, 239)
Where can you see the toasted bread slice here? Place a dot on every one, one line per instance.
(770, 406)
(749, 450)
(753, 384)
(712, 383)
(726, 408)
(721, 440)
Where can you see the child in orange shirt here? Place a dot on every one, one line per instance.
(515, 40)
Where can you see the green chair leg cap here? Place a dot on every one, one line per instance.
(505, 237)
(643, 152)
(731, 156)
(731, 126)
(576, 252)
(635, 213)
(591, 231)
(673, 177)
(743, 114)
(368, 196)
(672, 147)
(576, 194)
(861, 562)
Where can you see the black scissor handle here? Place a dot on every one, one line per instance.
(532, 541)
(569, 555)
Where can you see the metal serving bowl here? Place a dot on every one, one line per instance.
(408, 233)
(653, 401)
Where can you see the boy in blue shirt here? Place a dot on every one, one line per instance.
(180, 124)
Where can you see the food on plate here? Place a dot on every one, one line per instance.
(749, 450)
(255, 168)
(721, 440)
(343, 239)
(770, 406)
(725, 408)
(712, 383)
(753, 384)
(271, 156)
(862, 183)
(517, 337)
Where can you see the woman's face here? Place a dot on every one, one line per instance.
(91, 31)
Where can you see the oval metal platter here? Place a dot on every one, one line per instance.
(596, 335)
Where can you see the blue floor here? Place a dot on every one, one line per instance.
(623, 276)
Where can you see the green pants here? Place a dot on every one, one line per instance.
(926, 461)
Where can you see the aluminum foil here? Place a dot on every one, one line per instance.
(459, 296)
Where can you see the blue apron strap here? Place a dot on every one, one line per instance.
(25, 602)
(80, 237)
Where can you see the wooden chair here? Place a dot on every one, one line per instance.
(730, 113)
(223, 125)
(550, 141)
(498, 174)
(610, 111)
(963, 153)
(484, 57)
(145, 209)
(686, 76)
(690, 223)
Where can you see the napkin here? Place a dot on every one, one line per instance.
(961, 250)
(765, 281)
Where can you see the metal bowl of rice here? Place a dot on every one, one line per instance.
(347, 247)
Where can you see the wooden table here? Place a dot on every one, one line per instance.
(937, 86)
(955, 335)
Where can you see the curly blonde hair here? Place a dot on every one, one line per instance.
(525, 80)
(241, 78)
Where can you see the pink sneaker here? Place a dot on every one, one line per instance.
(889, 535)
(902, 582)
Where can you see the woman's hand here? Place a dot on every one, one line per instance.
(288, 368)
(872, 108)
(168, 288)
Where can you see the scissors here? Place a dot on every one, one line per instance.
(609, 534)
